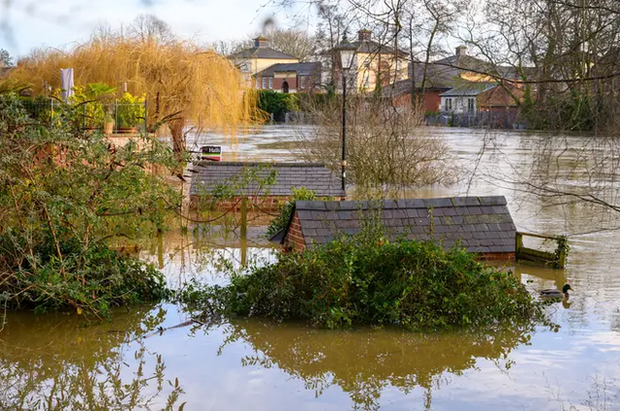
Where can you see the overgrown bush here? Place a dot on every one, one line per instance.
(277, 104)
(63, 193)
(280, 222)
(389, 151)
(365, 279)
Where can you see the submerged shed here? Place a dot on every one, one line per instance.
(479, 224)
(253, 180)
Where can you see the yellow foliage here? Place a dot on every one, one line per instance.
(181, 81)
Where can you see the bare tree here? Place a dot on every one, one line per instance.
(147, 27)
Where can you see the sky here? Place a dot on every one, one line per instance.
(28, 24)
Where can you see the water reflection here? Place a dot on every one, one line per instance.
(56, 362)
(364, 363)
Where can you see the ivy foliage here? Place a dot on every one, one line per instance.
(63, 194)
(279, 223)
(367, 280)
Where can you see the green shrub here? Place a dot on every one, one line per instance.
(276, 103)
(130, 110)
(364, 279)
(63, 194)
(280, 222)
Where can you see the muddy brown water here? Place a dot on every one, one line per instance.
(55, 361)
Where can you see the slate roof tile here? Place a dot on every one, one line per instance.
(478, 228)
(312, 176)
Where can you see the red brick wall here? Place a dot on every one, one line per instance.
(432, 101)
(499, 97)
(294, 83)
(294, 239)
(497, 257)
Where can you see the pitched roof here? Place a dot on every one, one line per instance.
(479, 224)
(444, 72)
(372, 47)
(402, 87)
(469, 89)
(316, 177)
(302, 69)
(261, 53)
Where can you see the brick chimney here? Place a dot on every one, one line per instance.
(261, 42)
(364, 35)
(461, 51)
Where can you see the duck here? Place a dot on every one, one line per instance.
(554, 293)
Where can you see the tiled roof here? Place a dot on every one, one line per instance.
(302, 69)
(372, 47)
(316, 177)
(469, 89)
(479, 224)
(261, 53)
(443, 73)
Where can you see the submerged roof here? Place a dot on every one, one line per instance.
(479, 224)
(302, 69)
(316, 177)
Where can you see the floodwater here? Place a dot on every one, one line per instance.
(137, 361)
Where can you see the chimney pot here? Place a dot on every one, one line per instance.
(364, 35)
(261, 42)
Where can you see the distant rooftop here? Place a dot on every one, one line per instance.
(469, 89)
(261, 50)
(302, 69)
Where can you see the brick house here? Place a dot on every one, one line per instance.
(290, 78)
(256, 59)
(443, 75)
(473, 97)
(373, 63)
(481, 225)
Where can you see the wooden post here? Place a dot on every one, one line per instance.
(518, 245)
(244, 231)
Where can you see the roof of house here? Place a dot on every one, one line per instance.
(479, 224)
(403, 87)
(471, 89)
(302, 69)
(373, 47)
(316, 177)
(444, 72)
(261, 53)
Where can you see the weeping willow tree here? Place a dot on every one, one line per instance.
(183, 83)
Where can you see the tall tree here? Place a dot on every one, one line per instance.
(5, 58)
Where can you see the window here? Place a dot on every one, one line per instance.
(448, 105)
(367, 81)
(471, 105)
(264, 82)
(245, 67)
(270, 83)
(302, 82)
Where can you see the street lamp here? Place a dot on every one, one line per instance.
(347, 53)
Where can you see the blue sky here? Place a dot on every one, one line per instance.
(28, 24)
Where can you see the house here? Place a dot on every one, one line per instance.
(374, 64)
(256, 59)
(473, 97)
(267, 185)
(435, 78)
(479, 224)
(290, 78)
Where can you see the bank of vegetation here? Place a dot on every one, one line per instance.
(366, 280)
(63, 193)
